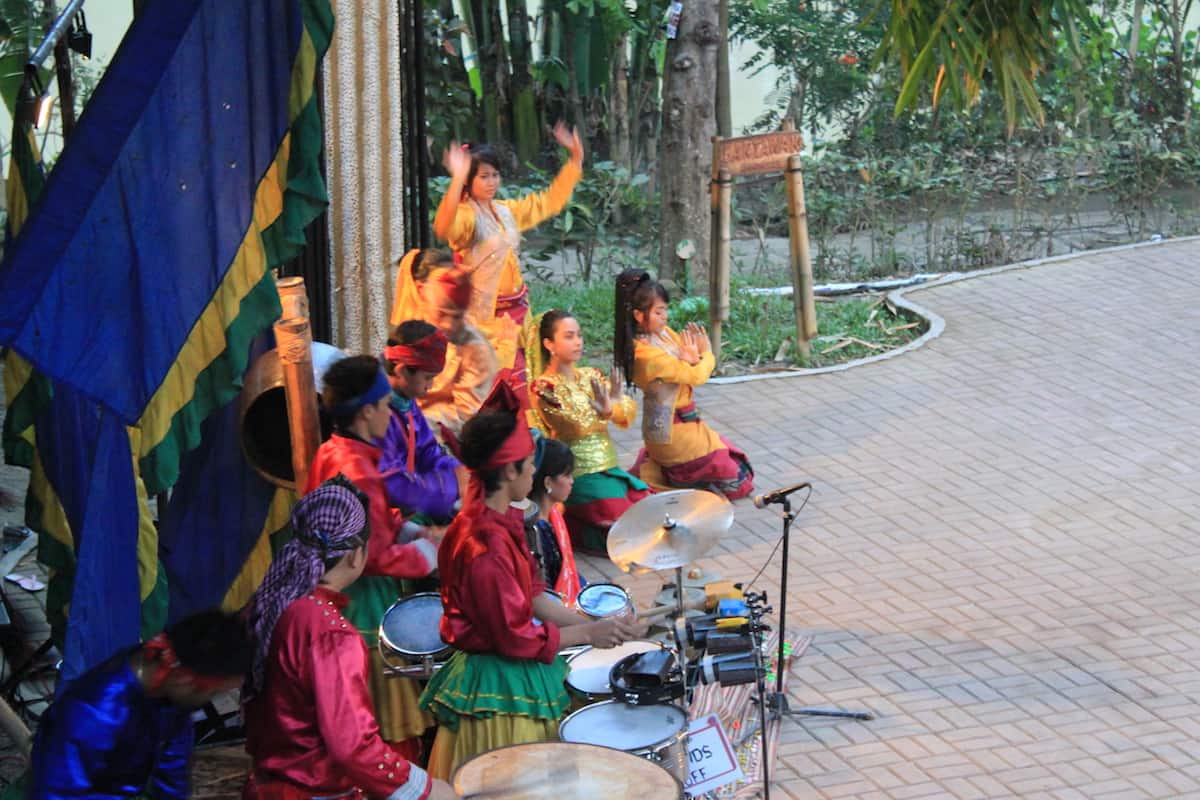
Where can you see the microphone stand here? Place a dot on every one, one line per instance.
(778, 699)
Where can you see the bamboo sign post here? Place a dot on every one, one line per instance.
(756, 155)
(802, 277)
(718, 284)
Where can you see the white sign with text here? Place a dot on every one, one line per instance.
(711, 760)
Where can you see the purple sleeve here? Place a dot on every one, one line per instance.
(433, 489)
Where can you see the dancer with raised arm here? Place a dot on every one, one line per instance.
(485, 234)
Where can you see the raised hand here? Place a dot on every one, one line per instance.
(601, 401)
(569, 138)
(616, 385)
(457, 161)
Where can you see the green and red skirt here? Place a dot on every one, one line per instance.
(597, 501)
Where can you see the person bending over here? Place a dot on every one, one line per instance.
(124, 728)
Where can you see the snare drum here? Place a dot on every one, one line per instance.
(599, 600)
(410, 631)
(554, 770)
(590, 668)
(655, 732)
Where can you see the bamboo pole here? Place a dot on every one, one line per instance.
(802, 278)
(718, 286)
(293, 342)
(293, 298)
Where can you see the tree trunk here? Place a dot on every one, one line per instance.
(526, 130)
(688, 125)
(644, 115)
(724, 103)
(500, 80)
(618, 110)
(1135, 38)
(574, 101)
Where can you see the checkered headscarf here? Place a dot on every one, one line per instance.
(328, 522)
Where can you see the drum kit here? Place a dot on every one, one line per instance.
(630, 698)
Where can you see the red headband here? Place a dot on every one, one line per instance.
(503, 397)
(427, 354)
(519, 444)
(160, 651)
(456, 284)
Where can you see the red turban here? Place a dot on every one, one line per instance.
(456, 284)
(427, 354)
(504, 397)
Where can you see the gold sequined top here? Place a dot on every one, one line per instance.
(565, 406)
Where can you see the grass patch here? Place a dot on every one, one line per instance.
(758, 327)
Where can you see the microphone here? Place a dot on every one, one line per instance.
(777, 496)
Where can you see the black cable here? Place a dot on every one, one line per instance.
(778, 542)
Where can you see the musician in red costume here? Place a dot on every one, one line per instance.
(309, 723)
(356, 394)
(504, 685)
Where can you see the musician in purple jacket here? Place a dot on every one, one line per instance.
(419, 475)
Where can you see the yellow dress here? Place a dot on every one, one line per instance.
(681, 451)
(488, 241)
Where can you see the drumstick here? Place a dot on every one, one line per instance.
(669, 608)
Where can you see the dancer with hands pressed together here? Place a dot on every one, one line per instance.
(485, 234)
(681, 451)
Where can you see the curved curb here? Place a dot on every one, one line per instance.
(936, 324)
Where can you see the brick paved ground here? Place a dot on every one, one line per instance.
(1000, 557)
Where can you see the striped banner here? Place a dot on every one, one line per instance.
(142, 295)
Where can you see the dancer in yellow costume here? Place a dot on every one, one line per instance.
(430, 288)
(681, 451)
(485, 234)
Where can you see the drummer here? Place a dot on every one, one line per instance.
(310, 728)
(504, 685)
(357, 395)
(548, 536)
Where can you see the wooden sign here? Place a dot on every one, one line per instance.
(753, 155)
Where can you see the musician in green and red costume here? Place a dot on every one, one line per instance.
(504, 685)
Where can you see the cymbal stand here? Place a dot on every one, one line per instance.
(778, 699)
(757, 603)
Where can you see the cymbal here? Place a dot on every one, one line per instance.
(668, 530)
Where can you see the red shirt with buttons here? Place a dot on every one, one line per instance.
(312, 725)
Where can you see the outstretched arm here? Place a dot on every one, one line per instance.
(458, 163)
(533, 209)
